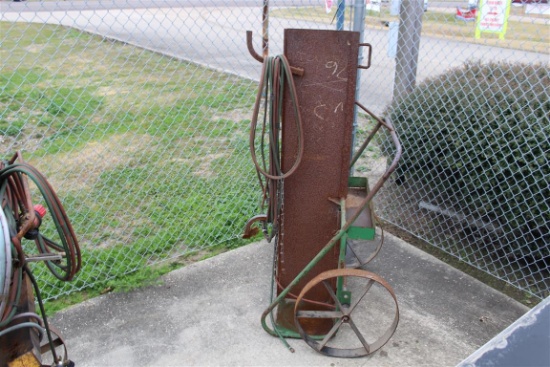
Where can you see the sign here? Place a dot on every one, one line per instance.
(493, 17)
(328, 6)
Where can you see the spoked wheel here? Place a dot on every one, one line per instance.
(364, 317)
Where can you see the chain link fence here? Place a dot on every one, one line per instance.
(138, 111)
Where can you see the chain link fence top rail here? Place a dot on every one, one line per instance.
(138, 111)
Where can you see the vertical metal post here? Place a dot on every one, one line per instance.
(340, 12)
(408, 47)
(265, 34)
(358, 26)
(359, 22)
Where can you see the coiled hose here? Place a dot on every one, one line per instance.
(276, 76)
(18, 220)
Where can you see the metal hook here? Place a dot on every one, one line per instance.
(256, 56)
(253, 52)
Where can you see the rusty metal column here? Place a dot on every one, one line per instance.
(310, 215)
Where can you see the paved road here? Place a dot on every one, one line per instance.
(214, 36)
(9, 5)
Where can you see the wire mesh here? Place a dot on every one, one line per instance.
(138, 111)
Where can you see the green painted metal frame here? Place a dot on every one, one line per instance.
(342, 234)
(355, 232)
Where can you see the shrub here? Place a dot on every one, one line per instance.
(479, 135)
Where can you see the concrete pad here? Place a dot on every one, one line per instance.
(208, 314)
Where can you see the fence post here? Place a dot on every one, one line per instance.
(358, 26)
(408, 46)
(340, 13)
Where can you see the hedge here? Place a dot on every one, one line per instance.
(480, 136)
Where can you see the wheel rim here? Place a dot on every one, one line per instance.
(343, 314)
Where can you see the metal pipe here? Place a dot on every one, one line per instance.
(358, 26)
(265, 30)
(340, 13)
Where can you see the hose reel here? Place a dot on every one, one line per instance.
(25, 336)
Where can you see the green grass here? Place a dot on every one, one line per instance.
(149, 154)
